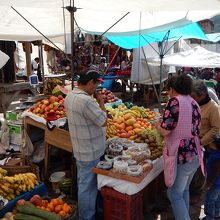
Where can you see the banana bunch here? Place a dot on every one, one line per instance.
(11, 186)
(3, 173)
(111, 130)
(6, 191)
(136, 112)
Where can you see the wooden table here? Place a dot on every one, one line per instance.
(58, 138)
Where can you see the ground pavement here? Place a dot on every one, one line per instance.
(163, 211)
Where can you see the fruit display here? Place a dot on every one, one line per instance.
(136, 124)
(3, 173)
(8, 216)
(53, 104)
(108, 96)
(56, 208)
(50, 84)
(12, 186)
(29, 211)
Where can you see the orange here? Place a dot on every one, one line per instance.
(55, 202)
(66, 208)
(50, 207)
(44, 203)
(58, 208)
(62, 213)
(60, 201)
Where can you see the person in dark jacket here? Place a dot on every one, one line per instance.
(212, 186)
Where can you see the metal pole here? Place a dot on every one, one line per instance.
(161, 71)
(72, 43)
(155, 90)
(42, 65)
(36, 28)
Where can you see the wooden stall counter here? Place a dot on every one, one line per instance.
(10, 92)
(58, 138)
(117, 175)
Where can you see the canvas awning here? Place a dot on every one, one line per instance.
(98, 15)
(195, 57)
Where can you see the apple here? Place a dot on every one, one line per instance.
(56, 104)
(60, 97)
(55, 108)
(52, 99)
(61, 102)
(46, 102)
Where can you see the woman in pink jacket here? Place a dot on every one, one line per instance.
(182, 151)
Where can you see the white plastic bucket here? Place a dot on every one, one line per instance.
(57, 176)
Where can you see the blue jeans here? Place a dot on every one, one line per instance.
(212, 203)
(87, 189)
(178, 194)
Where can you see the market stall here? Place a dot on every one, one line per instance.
(128, 125)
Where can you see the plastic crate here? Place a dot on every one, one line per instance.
(40, 190)
(123, 73)
(108, 80)
(118, 206)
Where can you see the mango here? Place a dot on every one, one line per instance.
(130, 121)
(137, 130)
(127, 116)
(136, 125)
(129, 128)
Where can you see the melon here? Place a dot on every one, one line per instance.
(59, 90)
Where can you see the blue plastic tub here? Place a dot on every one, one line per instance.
(108, 80)
(40, 190)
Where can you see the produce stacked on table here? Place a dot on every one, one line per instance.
(41, 208)
(136, 124)
(3, 173)
(108, 96)
(50, 84)
(12, 186)
(53, 104)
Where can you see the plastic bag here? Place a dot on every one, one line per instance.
(28, 147)
(4, 137)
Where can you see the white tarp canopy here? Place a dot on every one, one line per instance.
(98, 16)
(195, 57)
(144, 73)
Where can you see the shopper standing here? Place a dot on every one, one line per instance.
(212, 186)
(182, 150)
(210, 126)
(86, 119)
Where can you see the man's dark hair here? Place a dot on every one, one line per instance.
(87, 75)
(181, 83)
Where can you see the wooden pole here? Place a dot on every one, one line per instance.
(27, 46)
(112, 60)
